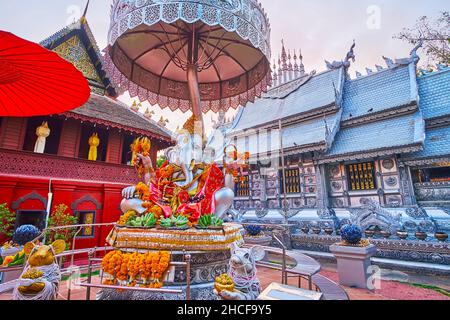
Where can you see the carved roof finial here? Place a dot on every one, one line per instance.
(280, 68)
(295, 61)
(83, 17)
(389, 62)
(290, 68)
(302, 66)
(275, 72)
(283, 56)
(346, 63)
(413, 53)
(351, 53)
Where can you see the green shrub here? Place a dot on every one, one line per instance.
(7, 221)
(60, 217)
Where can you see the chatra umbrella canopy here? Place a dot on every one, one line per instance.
(35, 81)
(197, 55)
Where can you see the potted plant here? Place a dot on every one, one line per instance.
(402, 234)
(369, 232)
(353, 257)
(316, 230)
(385, 234)
(256, 236)
(420, 234)
(305, 229)
(25, 233)
(441, 236)
(253, 230)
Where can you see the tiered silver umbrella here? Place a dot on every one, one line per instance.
(197, 55)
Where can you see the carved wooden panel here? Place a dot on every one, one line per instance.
(12, 133)
(114, 151)
(42, 165)
(70, 135)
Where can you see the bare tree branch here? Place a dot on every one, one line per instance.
(435, 34)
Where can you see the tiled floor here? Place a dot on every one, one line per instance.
(390, 290)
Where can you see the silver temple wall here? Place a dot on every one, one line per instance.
(373, 150)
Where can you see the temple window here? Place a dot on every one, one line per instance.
(86, 217)
(126, 151)
(49, 142)
(440, 174)
(292, 177)
(361, 176)
(33, 217)
(87, 131)
(242, 189)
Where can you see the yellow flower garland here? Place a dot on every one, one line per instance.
(148, 268)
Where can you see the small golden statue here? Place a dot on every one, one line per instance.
(94, 142)
(163, 122)
(135, 107)
(148, 114)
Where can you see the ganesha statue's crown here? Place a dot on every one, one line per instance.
(190, 126)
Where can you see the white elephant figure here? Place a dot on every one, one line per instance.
(186, 153)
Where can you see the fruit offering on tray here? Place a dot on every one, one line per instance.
(9, 245)
(14, 261)
(210, 221)
(179, 222)
(147, 221)
(128, 216)
(224, 283)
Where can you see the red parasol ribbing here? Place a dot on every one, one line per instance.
(35, 81)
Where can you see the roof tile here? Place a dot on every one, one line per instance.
(377, 92)
(107, 109)
(389, 133)
(434, 92)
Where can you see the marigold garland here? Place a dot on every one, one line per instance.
(148, 269)
(126, 217)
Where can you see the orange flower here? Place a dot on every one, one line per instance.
(157, 211)
(166, 172)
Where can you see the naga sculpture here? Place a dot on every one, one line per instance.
(346, 63)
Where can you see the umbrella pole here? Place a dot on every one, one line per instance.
(192, 80)
(194, 91)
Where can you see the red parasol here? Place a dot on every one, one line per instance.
(35, 81)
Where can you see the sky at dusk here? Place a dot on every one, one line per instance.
(322, 29)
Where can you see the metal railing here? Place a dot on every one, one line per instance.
(91, 266)
(89, 285)
(284, 274)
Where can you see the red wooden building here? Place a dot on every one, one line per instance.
(91, 189)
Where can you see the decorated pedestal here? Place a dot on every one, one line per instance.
(209, 250)
(193, 239)
(353, 264)
(353, 257)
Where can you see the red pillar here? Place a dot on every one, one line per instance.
(7, 189)
(112, 196)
